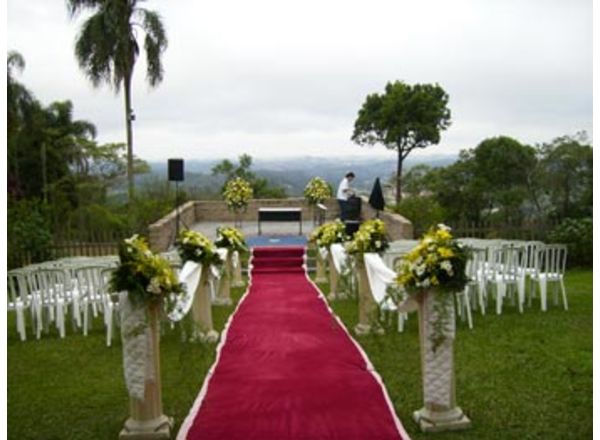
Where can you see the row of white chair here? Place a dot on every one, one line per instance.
(502, 269)
(56, 291)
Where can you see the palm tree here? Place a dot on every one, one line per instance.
(106, 50)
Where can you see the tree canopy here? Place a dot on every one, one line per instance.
(107, 50)
(403, 118)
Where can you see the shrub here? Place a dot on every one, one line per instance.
(423, 211)
(577, 234)
(29, 236)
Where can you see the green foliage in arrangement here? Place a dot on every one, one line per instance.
(329, 233)
(577, 234)
(317, 190)
(231, 238)
(370, 237)
(194, 246)
(146, 276)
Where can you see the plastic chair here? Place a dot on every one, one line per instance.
(551, 262)
(50, 296)
(505, 274)
(18, 299)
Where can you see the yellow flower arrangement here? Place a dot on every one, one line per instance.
(230, 238)
(317, 190)
(437, 261)
(194, 246)
(329, 233)
(145, 275)
(370, 237)
(237, 193)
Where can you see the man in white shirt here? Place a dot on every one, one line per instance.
(344, 192)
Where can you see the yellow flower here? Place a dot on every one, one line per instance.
(445, 252)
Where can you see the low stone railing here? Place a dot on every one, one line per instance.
(162, 233)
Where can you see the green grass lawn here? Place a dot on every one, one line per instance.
(518, 376)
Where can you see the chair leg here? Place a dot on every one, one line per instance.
(521, 292)
(564, 294)
(543, 291)
(468, 308)
(500, 293)
(481, 292)
(21, 321)
(60, 318)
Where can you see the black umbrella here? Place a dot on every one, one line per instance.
(376, 199)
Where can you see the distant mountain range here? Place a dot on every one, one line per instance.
(294, 173)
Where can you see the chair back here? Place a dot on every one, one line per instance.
(552, 259)
(89, 280)
(50, 283)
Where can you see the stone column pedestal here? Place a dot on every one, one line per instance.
(202, 310)
(238, 281)
(320, 275)
(146, 420)
(367, 307)
(333, 278)
(440, 412)
(224, 292)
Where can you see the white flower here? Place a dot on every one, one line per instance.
(443, 227)
(378, 243)
(446, 266)
(198, 252)
(154, 286)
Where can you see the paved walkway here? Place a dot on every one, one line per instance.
(250, 228)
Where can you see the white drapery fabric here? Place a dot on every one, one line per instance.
(380, 277)
(323, 252)
(190, 277)
(137, 346)
(340, 258)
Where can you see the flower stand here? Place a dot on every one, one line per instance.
(202, 310)
(333, 278)
(367, 307)
(320, 275)
(439, 412)
(146, 420)
(237, 272)
(224, 292)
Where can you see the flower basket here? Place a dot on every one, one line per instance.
(317, 190)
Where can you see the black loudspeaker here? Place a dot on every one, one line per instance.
(176, 170)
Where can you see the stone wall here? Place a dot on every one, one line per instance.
(162, 233)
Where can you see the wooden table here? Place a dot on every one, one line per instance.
(279, 215)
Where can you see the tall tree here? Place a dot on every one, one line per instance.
(107, 50)
(405, 117)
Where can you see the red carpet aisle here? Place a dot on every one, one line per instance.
(287, 369)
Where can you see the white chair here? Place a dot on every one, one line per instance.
(551, 262)
(503, 272)
(18, 299)
(476, 286)
(87, 294)
(110, 304)
(50, 295)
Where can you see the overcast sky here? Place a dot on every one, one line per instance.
(286, 78)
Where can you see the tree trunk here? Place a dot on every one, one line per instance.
(399, 178)
(128, 121)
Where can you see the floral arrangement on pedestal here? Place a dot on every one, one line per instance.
(317, 190)
(237, 193)
(146, 276)
(436, 264)
(194, 246)
(231, 238)
(329, 233)
(370, 237)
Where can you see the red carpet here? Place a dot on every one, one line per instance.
(287, 370)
